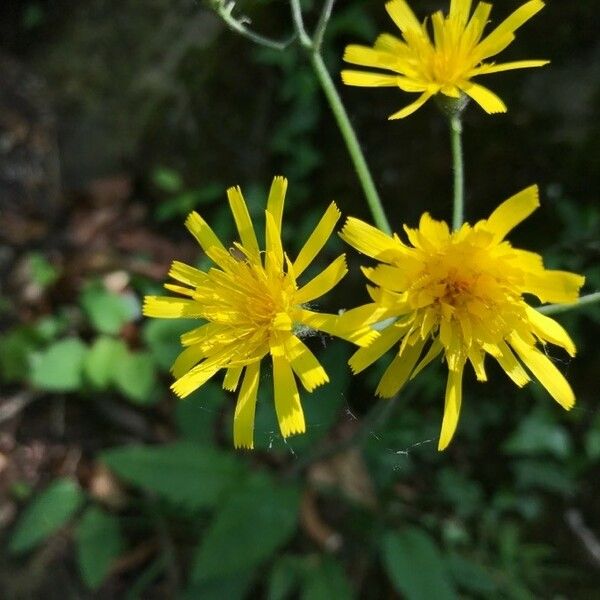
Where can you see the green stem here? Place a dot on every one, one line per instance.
(312, 47)
(224, 10)
(459, 174)
(554, 309)
(352, 143)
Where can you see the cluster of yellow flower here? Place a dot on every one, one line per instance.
(457, 293)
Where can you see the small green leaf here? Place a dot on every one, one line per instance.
(46, 514)
(135, 377)
(251, 525)
(166, 179)
(183, 472)
(232, 587)
(99, 542)
(42, 272)
(415, 566)
(106, 311)
(102, 360)
(59, 368)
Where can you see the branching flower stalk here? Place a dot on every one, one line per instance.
(313, 48)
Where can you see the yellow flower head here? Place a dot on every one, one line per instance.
(252, 306)
(461, 294)
(445, 65)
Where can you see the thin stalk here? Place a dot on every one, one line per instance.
(351, 141)
(459, 174)
(322, 25)
(238, 25)
(554, 309)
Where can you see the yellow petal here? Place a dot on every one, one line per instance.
(368, 239)
(179, 289)
(507, 360)
(287, 399)
(274, 249)
(545, 372)
(400, 368)
(402, 15)
(187, 359)
(434, 350)
(243, 419)
(491, 103)
(459, 11)
(512, 211)
(232, 377)
(478, 21)
(366, 356)
(451, 408)
(549, 330)
(305, 364)
(366, 79)
(317, 239)
(327, 323)
(495, 41)
(204, 235)
(323, 282)
(165, 307)
(199, 335)
(554, 286)
(509, 66)
(411, 108)
(275, 201)
(243, 222)
(186, 274)
(392, 45)
(198, 376)
(476, 358)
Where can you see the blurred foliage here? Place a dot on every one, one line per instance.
(147, 499)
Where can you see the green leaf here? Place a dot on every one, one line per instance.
(184, 473)
(415, 566)
(162, 338)
(135, 377)
(166, 179)
(46, 514)
(470, 576)
(327, 580)
(99, 542)
(17, 347)
(59, 368)
(537, 435)
(42, 272)
(232, 587)
(252, 524)
(106, 311)
(102, 360)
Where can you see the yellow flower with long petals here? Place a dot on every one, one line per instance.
(253, 306)
(445, 65)
(461, 294)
